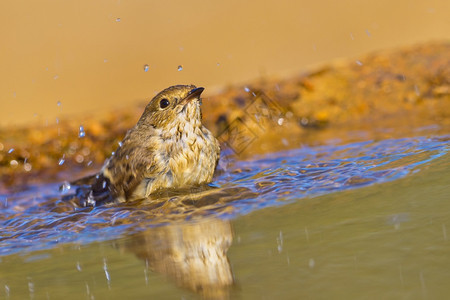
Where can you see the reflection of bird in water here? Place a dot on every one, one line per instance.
(168, 148)
(193, 255)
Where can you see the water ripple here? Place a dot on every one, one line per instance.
(39, 217)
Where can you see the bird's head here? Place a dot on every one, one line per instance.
(174, 106)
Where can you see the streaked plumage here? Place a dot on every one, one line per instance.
(167, 148)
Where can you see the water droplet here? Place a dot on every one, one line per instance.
(304, 121)
(112, 153)
(180, 68)
(105, 268)
(79, 158)
(104, 184)
(78, 266)
(14, 163)
(416, 89)
(311, 263)
(118, 20)
(27, 167)
(280, 121)
(280, 242)
(65, 187)
(359, 63)
(120, 144)
(247, 89)
(58, 103)
(89, 163)
(61, 161)
(31, 287)
(127, 157)
(146, 276)
(11, 150)
(81, 133)
(146, 68)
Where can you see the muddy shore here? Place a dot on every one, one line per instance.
(381, 95)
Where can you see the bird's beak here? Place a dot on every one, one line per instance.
(193, 94)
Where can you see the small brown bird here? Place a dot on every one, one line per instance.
(167, 148)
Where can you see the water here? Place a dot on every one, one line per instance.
(81, 132)
(305, 222)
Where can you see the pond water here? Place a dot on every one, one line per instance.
(360, 220)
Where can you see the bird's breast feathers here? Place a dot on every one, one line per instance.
(184, 157)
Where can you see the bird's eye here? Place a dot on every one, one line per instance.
(164, 103)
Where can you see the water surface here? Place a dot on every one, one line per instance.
(366, 219)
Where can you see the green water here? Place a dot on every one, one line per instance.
(387, 241)
(368, 222)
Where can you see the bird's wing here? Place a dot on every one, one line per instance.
(91, 190)
(121, 174)
(127, 168)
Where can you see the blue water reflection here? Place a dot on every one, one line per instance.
(38, 217)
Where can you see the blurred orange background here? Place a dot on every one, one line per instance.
(90, 55)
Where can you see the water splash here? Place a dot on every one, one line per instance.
(39, 215)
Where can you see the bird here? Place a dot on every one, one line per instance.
(168, 148)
